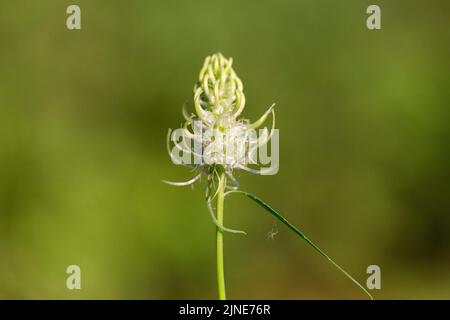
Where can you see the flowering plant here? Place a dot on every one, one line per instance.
(215, 142)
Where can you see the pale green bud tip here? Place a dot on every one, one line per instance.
(219, 91)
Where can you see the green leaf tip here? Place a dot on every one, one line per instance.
(300, 234)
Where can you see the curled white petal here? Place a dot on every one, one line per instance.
(235, 185)
(263, 118)
(185, 183)
(218, 225)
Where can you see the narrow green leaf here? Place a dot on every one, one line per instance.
(300, 234)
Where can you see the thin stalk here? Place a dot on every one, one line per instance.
(219, 238)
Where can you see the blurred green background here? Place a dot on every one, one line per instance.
(364, 140)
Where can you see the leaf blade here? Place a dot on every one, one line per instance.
(278, 216)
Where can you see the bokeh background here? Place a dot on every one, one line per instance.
(364, 133)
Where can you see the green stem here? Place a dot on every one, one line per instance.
(219, 239)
